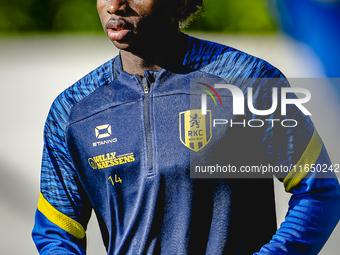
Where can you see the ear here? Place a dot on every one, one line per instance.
(182, 5)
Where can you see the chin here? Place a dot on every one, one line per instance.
(121, 45)
(133, 48)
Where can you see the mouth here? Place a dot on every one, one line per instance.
(117, 30)
(117, 34)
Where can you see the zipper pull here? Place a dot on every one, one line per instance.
(146, 90)
(146, 85)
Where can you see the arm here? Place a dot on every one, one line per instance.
(314, 209)
(63, 208)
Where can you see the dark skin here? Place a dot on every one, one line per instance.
(145, 31)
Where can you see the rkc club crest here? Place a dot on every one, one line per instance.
(195, 129)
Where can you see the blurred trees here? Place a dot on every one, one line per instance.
(235, 16)
(18, 16)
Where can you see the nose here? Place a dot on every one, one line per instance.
(116, 6)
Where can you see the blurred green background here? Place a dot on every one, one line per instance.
(60, 16)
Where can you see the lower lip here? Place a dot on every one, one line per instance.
(115, 35)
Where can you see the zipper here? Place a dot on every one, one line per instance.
(147, 125)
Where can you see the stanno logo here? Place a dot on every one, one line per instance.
(105, 142)
(195, 129)
(103, 131)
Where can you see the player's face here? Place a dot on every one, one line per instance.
(133, 24)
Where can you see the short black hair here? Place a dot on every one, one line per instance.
(192, 12)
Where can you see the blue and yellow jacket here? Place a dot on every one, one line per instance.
(124, 146)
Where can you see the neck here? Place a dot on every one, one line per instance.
(166, 53)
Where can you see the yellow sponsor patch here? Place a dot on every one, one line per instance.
(110, 159)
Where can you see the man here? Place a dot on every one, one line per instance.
(120, 142)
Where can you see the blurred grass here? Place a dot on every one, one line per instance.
(80, 16)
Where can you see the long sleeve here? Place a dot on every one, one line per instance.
(314, 207)
(314, 211)
(63, 208)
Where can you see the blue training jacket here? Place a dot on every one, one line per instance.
(124, 146)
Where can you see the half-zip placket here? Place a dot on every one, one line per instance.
(147, 124)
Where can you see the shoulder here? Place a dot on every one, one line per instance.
(65, 101)
(226, 62)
